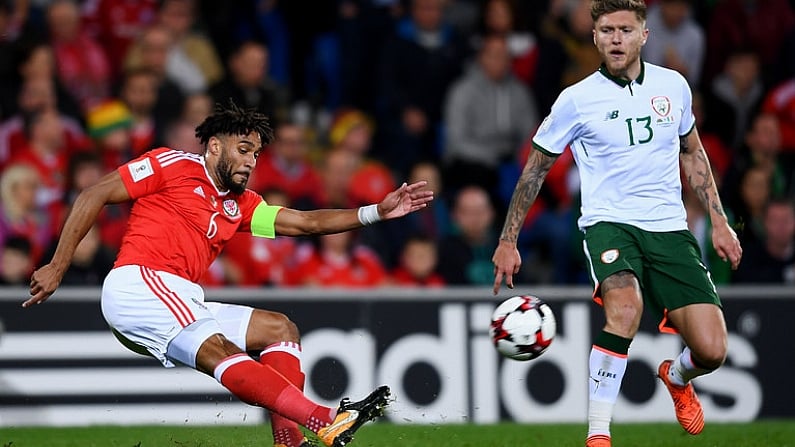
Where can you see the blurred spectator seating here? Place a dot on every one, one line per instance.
(734, 97)
(418, 262)
(193, 61)
(247, 84)
(761, 25)
(117, 24)
(260, 261)
(418, 65)
(16, 262)
(285, 165)
(337, 260)
(19, 213)
(772, 259)
(676, 40)
(82, 64)
(488, 114)
(466, 254)
(780, 101)
(151, 52)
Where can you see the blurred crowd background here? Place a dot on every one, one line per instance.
(365, 95)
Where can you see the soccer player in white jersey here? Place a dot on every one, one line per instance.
(630, 127)
(185, 208)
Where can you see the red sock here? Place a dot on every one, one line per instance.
(262, 386)
(285, 358)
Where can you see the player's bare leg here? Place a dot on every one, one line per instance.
(623, 306)
(703, 330)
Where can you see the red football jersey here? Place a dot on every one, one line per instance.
(179, 220)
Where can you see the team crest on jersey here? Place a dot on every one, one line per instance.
(609, 256)
(661, 105)
(230, 207)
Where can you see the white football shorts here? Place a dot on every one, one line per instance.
(167, 314)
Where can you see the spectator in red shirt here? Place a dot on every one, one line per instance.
(352, 131)
(257, 261)
(285, 165)
(780, 101)
(82, 65)
(417, 265)
(36, 94)
(351, 137)
(45, 153)
(338, 261)
(116, 24)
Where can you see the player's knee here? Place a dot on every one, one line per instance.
(710, 356)
(624, 318)
(286, 330)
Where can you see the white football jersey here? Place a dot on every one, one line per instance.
(625, 140)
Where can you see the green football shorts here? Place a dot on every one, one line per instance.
(667, 264)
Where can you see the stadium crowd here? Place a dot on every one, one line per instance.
(365, 95)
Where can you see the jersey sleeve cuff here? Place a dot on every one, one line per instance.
(690, 130)
(263, 221)
(544, 151)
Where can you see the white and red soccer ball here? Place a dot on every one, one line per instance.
(522, 327)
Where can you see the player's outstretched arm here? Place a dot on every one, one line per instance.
(85, 210)
(506, 257)
(404, 200)
(698, 173)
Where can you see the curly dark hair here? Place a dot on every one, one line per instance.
(602, 7)
(233, 120)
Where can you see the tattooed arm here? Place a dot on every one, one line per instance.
(698, 173)
(506, 257)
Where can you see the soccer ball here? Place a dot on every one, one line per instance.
(522, 327)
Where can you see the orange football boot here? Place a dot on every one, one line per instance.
(688, 409)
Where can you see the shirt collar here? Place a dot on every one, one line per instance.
(621, 81)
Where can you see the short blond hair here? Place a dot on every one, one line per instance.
(12, 176)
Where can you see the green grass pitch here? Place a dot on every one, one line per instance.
(755, 434)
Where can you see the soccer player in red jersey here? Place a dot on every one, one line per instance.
(185, 208)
